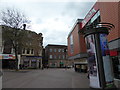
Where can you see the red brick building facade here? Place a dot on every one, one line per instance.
(101, 12)
(56, 55)
(77, 47)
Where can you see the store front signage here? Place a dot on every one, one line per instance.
(89, 16)
(113, 53)
(39, 57)
(7, 56)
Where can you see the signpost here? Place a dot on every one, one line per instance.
(100, 71)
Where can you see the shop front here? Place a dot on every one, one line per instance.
(114, 47)
(31, 62)
(8, 61)
(81, 67)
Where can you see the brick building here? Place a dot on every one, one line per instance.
(77, 47)
(105, 12)
(108, 12)
(56, 55)
(32, 53)
(29, 55)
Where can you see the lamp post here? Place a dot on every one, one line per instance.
(99, 62)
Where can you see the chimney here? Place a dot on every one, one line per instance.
(24, 26)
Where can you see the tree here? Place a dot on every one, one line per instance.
(14, 19)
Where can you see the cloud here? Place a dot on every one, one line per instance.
(53, 19)
(79, 9)
(19, 1)
(59, 21)
(54, 30)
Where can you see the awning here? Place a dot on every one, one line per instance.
(61, 63)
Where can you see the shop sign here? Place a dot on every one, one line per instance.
(33, 56)
(113, 53)
(7, 56)
(89, 16)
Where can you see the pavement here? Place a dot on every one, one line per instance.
(47, 78)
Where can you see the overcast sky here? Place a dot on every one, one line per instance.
(53, 18)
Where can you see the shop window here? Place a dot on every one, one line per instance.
(116, 67)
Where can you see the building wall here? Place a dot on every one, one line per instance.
(31, 41)
(33, 60)
(82, 44)
(109, 12)
(76, 48)
(58, 53)
(79, 45)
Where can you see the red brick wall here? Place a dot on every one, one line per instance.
(75, 41)
(79, 42)
(109, 13)
(82, 44)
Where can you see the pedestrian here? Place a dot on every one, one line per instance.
(42, 67)
(47, 66)
(88, 76)
(20, 66)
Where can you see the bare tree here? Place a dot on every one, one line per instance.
(15, 20)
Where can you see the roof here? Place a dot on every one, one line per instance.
(77, 22)
(55, 45)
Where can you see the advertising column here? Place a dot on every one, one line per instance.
(92, 62)
(100, 71)
(106, 60)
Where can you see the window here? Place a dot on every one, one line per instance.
(66, 56)
(63, 57)
(59, 50)
(71, 44)
(55, 57)
(50, 49)
(59, 57)
(23, 51)
(50, 56)
(30, 43)
(40, 44)
(32, 51)
(28, 51)
(54, 50)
